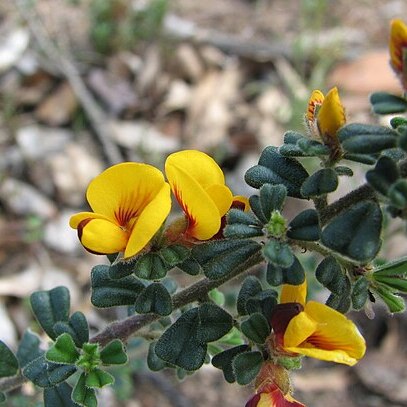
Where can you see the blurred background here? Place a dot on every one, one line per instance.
(88, 83)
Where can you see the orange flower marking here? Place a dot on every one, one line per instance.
(398, 50)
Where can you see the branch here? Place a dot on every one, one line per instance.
(127, 327)
(96, 116)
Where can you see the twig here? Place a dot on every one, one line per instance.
(96, 116)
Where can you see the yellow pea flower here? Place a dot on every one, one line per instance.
(130, 202)
(272, 396)
(325, 116)
(198, 183)
(398, 50)
(314, 329)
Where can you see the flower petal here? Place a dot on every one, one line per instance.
(122, 191)
(314, 103)
(241, 202)
(198, 184)
(331, 117)
(274, 398)
(398, 41)
(102, 236)
(149, 221)
(334, 338)
(294, 293)
(79, 217)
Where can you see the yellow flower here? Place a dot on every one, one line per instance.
(130, 202)
(199, 186)
(272, 396)
(398, 49)
(325, 116)
(314, 329)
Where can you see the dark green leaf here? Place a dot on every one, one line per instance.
(361, 158)
(190, 266)
(98, 378)
(50, 307)
(263, 302)
(241, 224)
(360, 293)
(276, 169)
(246, 366)
(366, 138)
(154, 363)
(321, 182)
(385, 103)
(402, 141)
(397, 194)
(63, 351)
(213, 323)
(151, 266)
(340, 303)
(329, 273)
(305, 226)
(76, 327)
(122, 269)
(272, 198)
(342, 170)
(256, 328)
(224, 361)
(395, 268)
(278, 253)
(58, 396)
(114, 353)
(398, 121)
(293, 275)
(250, 287)
(29, 348)
(174, 254)
(384, 174)
(8, 362)
(84, 395)
(312, 147)
(219, 258)
(356, 231)
(255, 206)
(154, 298)
(46, 374)
(108, 292)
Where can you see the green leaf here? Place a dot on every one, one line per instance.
(77, 327)
(256, 328)
(114, 353)
(402, 130)
(384, 174)
(46, 374)
(360, 293)
(151, 266)
(63, 351)
(217, 297)
(122, 268)
(398, 121)
(272, 198)
(98, 379)
(305, 226)
(321, 182)
(183, 344)
(293, 275)
(250, 287)
(343, 170)
(396, 283)
(190, 266)
(58, 396)
(394, 302)
(329, 273)
(84, 395)
(366, 138)
(224, 361)
(241, 224)
(263, 302)
(275, 169)
(29, 348)
(278, 253)
(108, 292)
(355, 232)
(246, 366)
(312, 147)
(395, 268)
(385, 103)
(397, 194)
(219, 258)
(50, 307)
(154, 298)
(9, 363)
(174, 254)
(368, 159)
(154, 363)
(3, 398)
(214, 322)
(340, 303)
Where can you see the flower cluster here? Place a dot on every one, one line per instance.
(131, 201)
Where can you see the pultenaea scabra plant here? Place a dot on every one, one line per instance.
(266, 333)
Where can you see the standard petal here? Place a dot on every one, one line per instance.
(294, 293)
(198, 165)
(122, 192)
(398, 41)
(102, 236)
(149, 221)
(203, 214)
(331, 116)
(221, 196)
